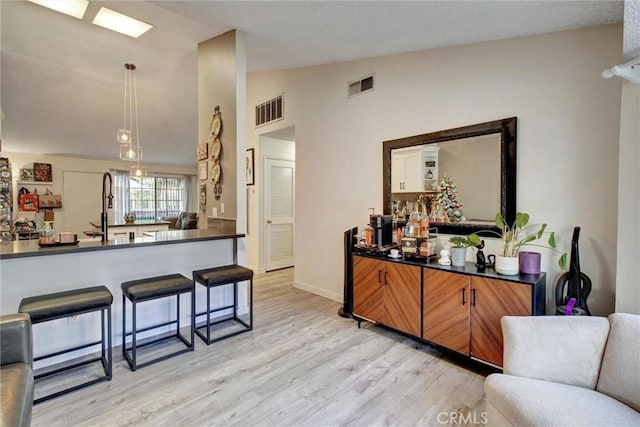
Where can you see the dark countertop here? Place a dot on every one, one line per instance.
(136, 222)
(30, 248)
(469, 268)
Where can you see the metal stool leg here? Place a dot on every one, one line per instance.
(133, 337)
(251, 303)
(124, 325)
(110, 353)
(208, 314)
(178, 315)
(235, 300)
(193, 318)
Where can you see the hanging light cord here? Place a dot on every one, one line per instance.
(135, 98)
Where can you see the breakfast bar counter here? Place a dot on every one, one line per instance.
(30, 248)
(28, 270)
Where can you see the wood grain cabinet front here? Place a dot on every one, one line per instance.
(463, 313)
(490, 300)
(388, 293)
(446, 310)
(460, 311)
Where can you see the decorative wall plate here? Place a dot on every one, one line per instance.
(216, 171)
(216, 122)
(216, 147)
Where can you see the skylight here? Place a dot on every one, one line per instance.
(75, 8)
(124, 24)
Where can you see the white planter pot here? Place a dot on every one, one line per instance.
(458, 256)
(507, 265)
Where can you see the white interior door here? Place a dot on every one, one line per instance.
(82, 201)
(279, 210)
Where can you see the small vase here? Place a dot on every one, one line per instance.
(458, 257)
(507, 266)
(529, 262)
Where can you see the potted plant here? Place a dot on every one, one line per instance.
(515, 236)
(459, 248)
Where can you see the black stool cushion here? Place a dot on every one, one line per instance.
(157, 287)
(222, 275)
(63, 304)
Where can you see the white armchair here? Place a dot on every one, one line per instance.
(567, 370)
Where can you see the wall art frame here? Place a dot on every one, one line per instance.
(250, 167)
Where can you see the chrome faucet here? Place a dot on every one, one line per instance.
(103, 216)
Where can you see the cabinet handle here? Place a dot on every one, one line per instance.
(385, 278)
(464, 301)
(379, 278)
(473, 297)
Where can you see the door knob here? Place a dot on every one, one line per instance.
(269, 221)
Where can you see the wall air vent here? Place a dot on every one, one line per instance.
(359, 86)
(270, 111)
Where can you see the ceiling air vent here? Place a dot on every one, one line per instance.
(363, 85)
(270, 111)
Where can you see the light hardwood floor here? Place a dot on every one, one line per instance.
(302, 365)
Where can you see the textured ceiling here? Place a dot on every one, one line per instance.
(62, 78)
(631, 37)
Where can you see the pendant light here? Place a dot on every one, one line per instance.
(129, 135)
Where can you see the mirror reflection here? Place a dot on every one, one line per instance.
(459, 177)
(456, 181)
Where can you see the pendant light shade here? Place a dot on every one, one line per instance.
(129, 134)
(124, 136)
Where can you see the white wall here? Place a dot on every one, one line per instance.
(272, 148)
(60, 164)
(628, 279)
(568, 126)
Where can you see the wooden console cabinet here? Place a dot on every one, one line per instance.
(388, 293)
(456, 308)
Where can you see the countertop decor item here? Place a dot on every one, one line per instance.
(516, 235)
(459, 248)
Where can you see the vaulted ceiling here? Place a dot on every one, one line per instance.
(62, 78)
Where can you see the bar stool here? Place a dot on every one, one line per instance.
(221, 276)
(44, 308)
(148, 289)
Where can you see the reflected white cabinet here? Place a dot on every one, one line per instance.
(413, 169)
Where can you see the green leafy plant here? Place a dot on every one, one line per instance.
(520, 233)
(465, 241)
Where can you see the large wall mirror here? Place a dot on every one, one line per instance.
(480, 159)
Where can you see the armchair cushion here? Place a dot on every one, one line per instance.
(530, 402)
(623, 350)
(16, 374)
(16, 391)
(15, 339)
(565, 349)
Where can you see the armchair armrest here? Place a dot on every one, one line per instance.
(563, 349)
(16, 342)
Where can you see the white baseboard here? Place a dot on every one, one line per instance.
(318, 291)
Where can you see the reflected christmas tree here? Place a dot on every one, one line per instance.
(448, 199)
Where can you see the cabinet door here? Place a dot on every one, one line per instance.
(368, 276)
(446, 310)
(406, 172)
(413, 173)
(397, 172)
(402, 297)
(490, 300)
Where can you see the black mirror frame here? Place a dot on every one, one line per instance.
(507, 128)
